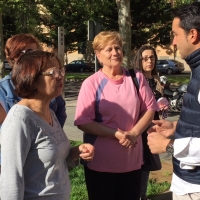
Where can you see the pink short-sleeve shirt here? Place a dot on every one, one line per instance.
(114, 104)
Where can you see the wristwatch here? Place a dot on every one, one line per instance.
(170, 148)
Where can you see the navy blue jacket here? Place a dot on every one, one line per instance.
(189, 123)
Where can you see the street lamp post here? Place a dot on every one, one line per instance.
(61, 47)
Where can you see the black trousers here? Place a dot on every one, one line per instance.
(113, 186)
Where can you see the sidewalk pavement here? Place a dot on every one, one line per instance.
(72, 132)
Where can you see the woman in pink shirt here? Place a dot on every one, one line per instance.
(112, 116)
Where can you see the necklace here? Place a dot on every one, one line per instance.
(48, 120)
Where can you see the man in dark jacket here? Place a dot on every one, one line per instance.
(185, 147)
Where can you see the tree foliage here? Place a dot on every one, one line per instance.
(20, 16)
(149, 19)
(73, 16)
(149, 22)
(152, 21)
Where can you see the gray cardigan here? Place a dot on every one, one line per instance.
(33, 157)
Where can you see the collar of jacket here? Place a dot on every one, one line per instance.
(193, 60)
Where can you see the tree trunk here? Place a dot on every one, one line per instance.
(1, 49)
(124, 21)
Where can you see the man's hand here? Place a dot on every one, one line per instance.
(164, 127)
(157, 142)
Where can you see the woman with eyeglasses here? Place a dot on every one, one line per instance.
(145, 61)
(35, 149)
(112, 116)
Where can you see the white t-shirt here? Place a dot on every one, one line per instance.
(187, 151)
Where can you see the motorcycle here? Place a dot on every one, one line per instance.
(175, 97)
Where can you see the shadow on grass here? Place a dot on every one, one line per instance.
(163, 196)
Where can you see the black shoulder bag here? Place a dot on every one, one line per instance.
(151, 161)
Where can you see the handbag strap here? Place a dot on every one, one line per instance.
(135, 81)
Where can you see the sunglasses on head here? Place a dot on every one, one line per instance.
(27, 50)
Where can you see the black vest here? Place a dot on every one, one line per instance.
(189, 123)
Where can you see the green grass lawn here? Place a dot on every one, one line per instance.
(79, 192)
(178, 80)
(155, 188)
(77, 76)
(173, 79)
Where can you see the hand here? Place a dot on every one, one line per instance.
(164, 127)
(157, 142)
(123, 140)
(131, 136)
(87, 151)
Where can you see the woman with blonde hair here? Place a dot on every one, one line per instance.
(112, 116)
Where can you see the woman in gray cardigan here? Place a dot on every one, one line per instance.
(35, 149)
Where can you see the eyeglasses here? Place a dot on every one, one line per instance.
(27, 50)
(55, 72)
(152, 58)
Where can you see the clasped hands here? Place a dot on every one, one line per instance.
(127, 138)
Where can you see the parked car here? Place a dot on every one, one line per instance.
(7, 66)
(169, 66)
(80, 66)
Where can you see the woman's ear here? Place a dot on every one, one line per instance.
(98, 55)
(99, 58)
